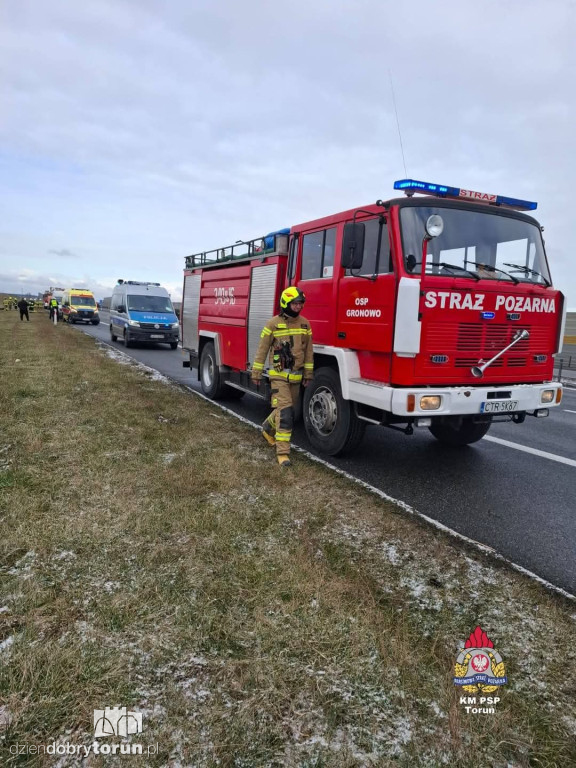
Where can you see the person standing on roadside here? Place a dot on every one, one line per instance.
(23, 307)
(287, 339)
(53, 308)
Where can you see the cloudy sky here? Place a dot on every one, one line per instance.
(134, 132)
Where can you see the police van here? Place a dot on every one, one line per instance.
(143, 312)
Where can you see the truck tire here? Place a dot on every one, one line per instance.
(210, 378)
(127, 340)
(113, 336)
(460, 431)
(95, 322)
(331, 424)
(173, 345)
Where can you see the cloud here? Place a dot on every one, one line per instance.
(64, 253)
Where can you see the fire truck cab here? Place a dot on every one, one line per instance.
(435, 309)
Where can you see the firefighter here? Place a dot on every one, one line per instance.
(53, 306)
(23, 307)
(287, 340)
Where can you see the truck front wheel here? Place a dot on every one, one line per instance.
(457, 431)
(331, 424)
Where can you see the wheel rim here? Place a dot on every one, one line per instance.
(323, 411)
(208, 372)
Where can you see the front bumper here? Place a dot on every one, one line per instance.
(470, 401)
(84, 317)
(162, 336)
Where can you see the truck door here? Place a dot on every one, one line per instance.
(316, 279)
(366, 300)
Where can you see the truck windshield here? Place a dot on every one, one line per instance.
(149, 304)
(82, 301)
(475, 244)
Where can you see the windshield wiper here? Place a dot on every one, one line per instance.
(490, 268)
(445, 265)
(527, 270)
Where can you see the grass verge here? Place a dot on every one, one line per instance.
(153, 556)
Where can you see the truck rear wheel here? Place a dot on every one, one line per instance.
(458, 431)
(210, 378)
(331, 424)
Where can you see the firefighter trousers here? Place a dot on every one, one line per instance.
(284, 398)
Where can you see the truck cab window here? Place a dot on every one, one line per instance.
(371, 263)
(318, 254)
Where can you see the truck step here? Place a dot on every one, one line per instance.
(370, 383)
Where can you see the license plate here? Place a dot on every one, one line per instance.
(498, 406)
(156, 335)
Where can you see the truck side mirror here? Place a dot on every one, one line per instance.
(121, 308)
(353, 245)
(411, 262)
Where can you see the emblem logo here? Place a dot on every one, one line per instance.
(479, 667)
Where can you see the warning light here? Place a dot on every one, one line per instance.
(409, 186)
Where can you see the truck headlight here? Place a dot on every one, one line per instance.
(547, 396)
(430, 402)
(134, 322)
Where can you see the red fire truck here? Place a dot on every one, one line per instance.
(434, 309)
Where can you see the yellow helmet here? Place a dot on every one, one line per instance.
(291, 294)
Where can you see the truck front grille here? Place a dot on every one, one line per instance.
(467, 343)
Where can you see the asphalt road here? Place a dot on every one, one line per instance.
(502, 494)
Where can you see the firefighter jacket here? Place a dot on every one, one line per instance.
(287, 341)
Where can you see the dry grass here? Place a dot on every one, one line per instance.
(152, 557)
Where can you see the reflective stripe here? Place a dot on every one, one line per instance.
(258, 366)
(265, 332)
(309, 366)
(291, 332)
(292, 377)
(283, 437)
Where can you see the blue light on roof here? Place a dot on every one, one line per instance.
(426, 188)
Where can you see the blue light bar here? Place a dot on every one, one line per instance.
(426, 188)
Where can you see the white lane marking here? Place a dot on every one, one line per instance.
(569, 411)
(534, 451)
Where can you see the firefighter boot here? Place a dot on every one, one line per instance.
(284, 460)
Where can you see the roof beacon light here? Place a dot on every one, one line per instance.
(409, 186)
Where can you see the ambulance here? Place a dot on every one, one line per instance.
(79, 306)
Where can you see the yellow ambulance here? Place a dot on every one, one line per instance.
(79, 306)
